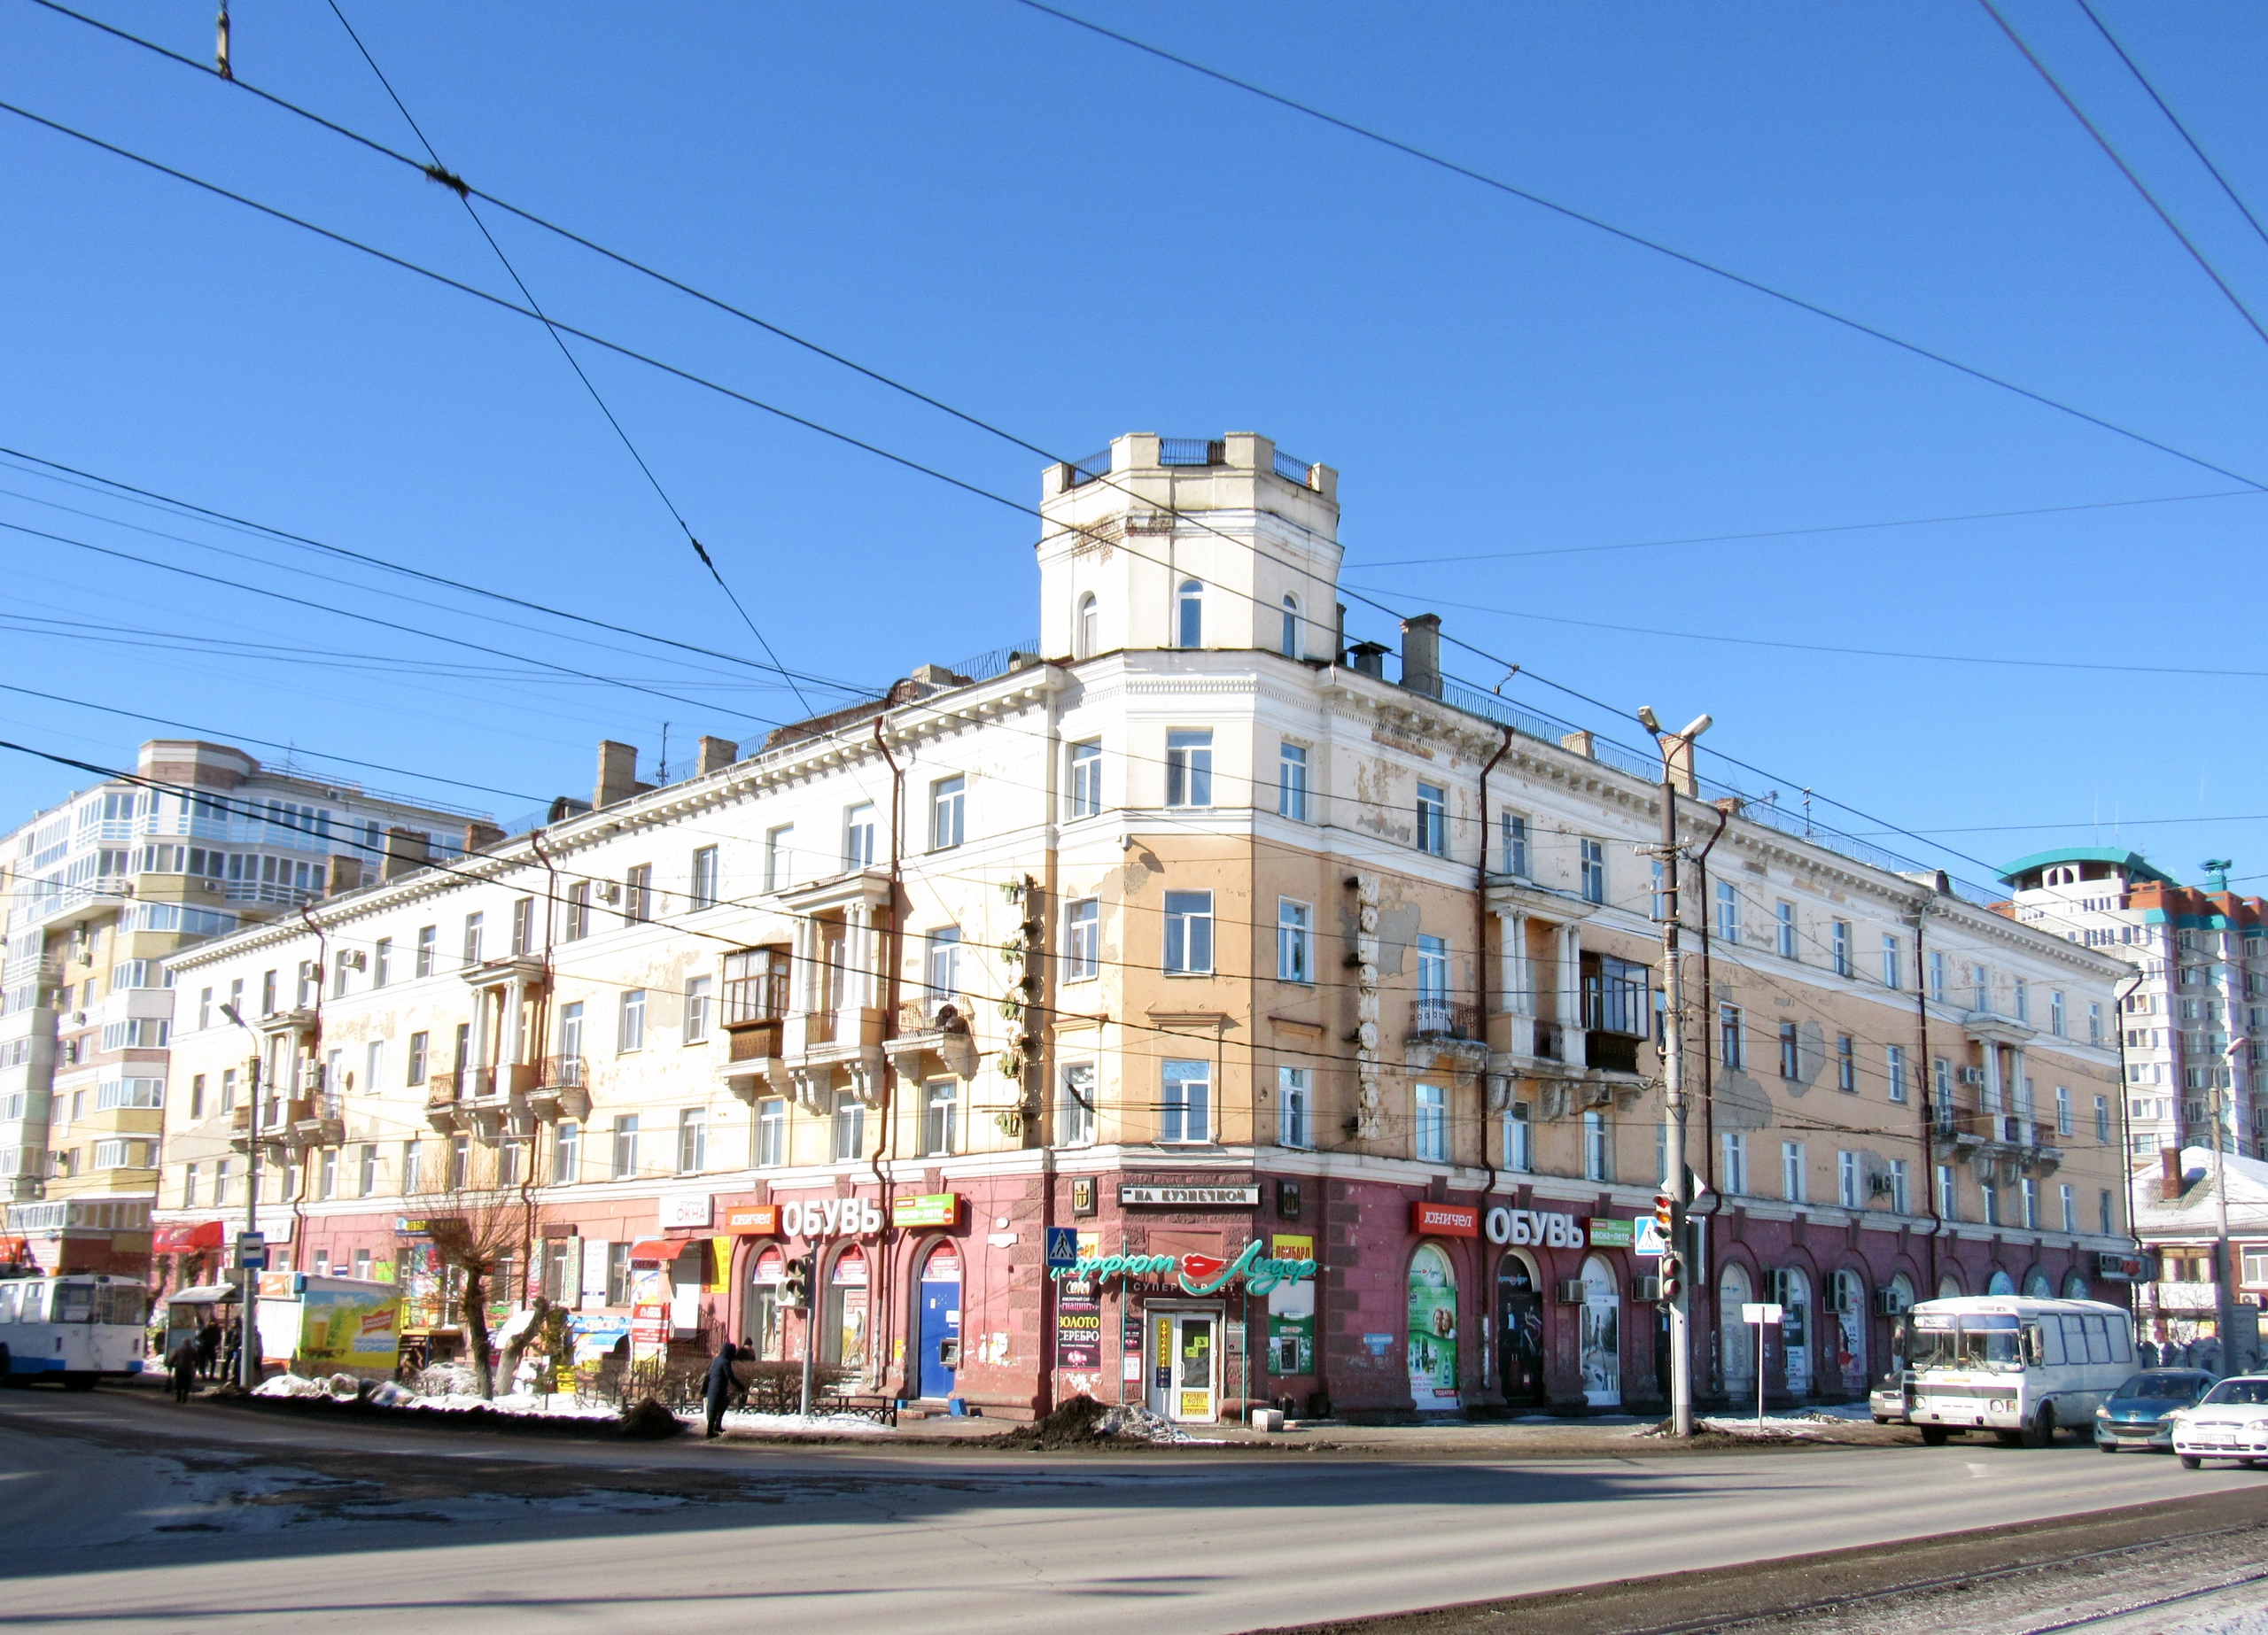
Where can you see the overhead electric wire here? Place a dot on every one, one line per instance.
(2124, 169)
(463, 197)
(1687, 258)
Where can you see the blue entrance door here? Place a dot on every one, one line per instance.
(940, 1320)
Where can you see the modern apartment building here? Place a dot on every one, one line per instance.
(1185, 1014)
(100, 889)
(2192, 1012)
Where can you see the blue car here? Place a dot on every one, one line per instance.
(2136, 1414)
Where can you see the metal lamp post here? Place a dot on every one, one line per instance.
(248, 1318)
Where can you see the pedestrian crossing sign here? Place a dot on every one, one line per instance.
(1649, 1240)
(1063, 1247)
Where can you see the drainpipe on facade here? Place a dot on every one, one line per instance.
(323, 1088)
(1928, 1176)
(1709, 1109)
(894, 943)
(1489, 1337)
(1037, 1023)
(539, 1031)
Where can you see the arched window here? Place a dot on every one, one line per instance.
(1291, 627)
(1189, 625)
(1735, 1339)
(1948, 1286)
(2075, 1285)
(2001, 1283)
(1084, 636)
(2036, 1285)
(1432, 1332)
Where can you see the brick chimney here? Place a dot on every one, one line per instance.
(1421, 655)
(2171, 1186)
(407, 851)
(618, 773)
(479, 835)
(714, 754)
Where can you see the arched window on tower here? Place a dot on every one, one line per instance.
(1084, 636)
(1189, 624)
(1291, 627)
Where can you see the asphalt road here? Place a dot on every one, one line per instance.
(127, 1514)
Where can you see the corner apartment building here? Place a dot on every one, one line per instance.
(1317, 1009)
(100, 889)
(2193, 1012)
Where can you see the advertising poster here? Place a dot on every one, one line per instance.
(1432, 1333)
(1291, 1311)
(349, 1329)
(596, 1335)
(649, 1332)
(1078, 1315)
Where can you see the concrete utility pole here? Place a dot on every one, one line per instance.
(248, 1308)
(2224, 1279)
(1676, 748)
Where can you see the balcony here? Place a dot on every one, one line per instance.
(441, 1101)
(934, 1024)
(1436, 1018)
(753, 1042)
(1611, 1052)
(301, 1020)
(2185, 1296)
(560, 1088)
(316, 1121)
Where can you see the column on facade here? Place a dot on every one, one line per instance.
(857, 955)
(1994, 1103)
(1571, 995)
(2019, 1088)
(510, 1053)
(1516, 980)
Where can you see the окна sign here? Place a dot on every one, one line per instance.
(1198, 1273)
(833, 1217)
(1533, 1226)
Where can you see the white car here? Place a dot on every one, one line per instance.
(2228, 1421)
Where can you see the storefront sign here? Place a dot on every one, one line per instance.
(931, 1209)
(2121, 1269)
(687, 1209)
(1607, 1234)
(1078, 1327)
(1197, 1274)
(1190, 1197)
(1533, 1226)
(1291, 1311)
(1444, 1220)
(833, 1217)
(753, 1220)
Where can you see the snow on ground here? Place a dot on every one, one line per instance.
(385, 1393)
(774, 1424)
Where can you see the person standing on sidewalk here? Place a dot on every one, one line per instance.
(719, 1391)
(182, 1361)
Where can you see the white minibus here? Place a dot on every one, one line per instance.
(2021, 1369)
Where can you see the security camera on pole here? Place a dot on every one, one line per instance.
(1677, 754)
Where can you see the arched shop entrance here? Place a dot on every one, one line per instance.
(1432, 1332)
(940, 1320)
(1795, 1336)
(1602, 1337)
(767, 1270)
(1736, 1338)
(1519, 1343)
(843, 1331)
(1845, 1331)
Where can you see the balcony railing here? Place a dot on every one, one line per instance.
(1547, 1042)
(563, 1071)
(753, 1042)
(441, 1090)
(1613, 1052)
(1437, 1019)
(928, 1013)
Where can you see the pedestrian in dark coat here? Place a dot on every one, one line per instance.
(208, 1347)
(719, 1391)
(182, 1361)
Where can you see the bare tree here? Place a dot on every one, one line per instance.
(477, 1227)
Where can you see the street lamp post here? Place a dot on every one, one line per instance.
(248, 1309)
(1674, 747)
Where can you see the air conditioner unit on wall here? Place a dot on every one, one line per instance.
(353, 959)
(1970, 1075)
(1889, 1303)
(1645, 1290)
(1570, 1292)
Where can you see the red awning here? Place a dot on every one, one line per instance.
(178, 1237)
(656, 1250)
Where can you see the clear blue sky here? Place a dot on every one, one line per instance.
(1074, 240)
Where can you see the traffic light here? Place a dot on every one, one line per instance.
(1670, 1270)
(1664, 1213)
(796, 1288)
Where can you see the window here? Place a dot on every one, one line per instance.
(2103, 1216)
(197, 1097)
(617, 1274)
(1075, 1116)
(339, 969)
(780, 856)
(1657, 900)
(948, 812)
(1732, 1048)
(524, 927)
(1513, 830)
(205, 1006)
(1087, 632)
(268, 993)
(638, 895)
(459, 1163)
(692, 1141)
(1889, 959)
(1728, 912)
(1189, 624)
(1293, 1109)
(1593, 865)
(366, 1169)
(771, 1133)
(1941, 1086)
(2063, 1110)
(228, 1089)
(381, 962)
(2024, 1000)
(1189, 766)
(1082, 940)
(1519, 1136)
(2094, 1023)
(1783, 930)
(413, 1166)
(2102, 1117)
(1432, 820)
(1847, 1065)
(2068, 1202)
(702, 894)
(1086, 779)
(1790, 1052)
(327, 1174)
(1938, 978)
(419, 1045)
(1189, 933)
(579, 910)
(630, 1030)
(1598, 1152)
(849, 1127)
(1294, 941)
(940, 1104)
(571, 1037)
(1848, 1181)
(942, 961)
(696, 1010)
(1432, 970)
(1291, 640)
(1791, 1171)
(1839, 946)
(1430, 1125)
(374, 1065)
(1980, 986)
(1990, 1197)
(2029, 1191)
(624, 1165)
(1290, 782)
(473, 930)
(1187, 1102)
(1893, 1068)
(2055, 1011)
(1900, 1200)
(224, 1172)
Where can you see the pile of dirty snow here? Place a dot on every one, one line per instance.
(1137, 1423)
